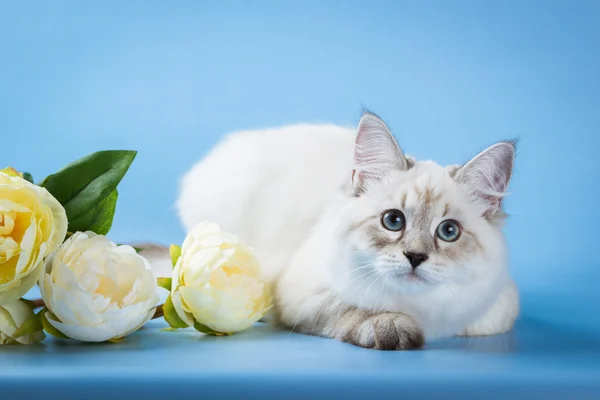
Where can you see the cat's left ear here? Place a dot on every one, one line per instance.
(488, 173)
(376, 152)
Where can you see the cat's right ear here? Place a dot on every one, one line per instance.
(488, 173)
(376, 152)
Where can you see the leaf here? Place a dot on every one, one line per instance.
(31, 326)
(48, 326)
(164, 283)
(99, 219)
(171, 316)
(116, 340)
(27, 176)
(175, 252)
(206, 330)
(83, 184)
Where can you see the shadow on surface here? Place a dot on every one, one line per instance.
(530, 337)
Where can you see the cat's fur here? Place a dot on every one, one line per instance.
(309, 200)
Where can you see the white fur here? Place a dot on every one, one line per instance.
(285, 192)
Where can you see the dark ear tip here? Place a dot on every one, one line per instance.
(368, 113)
(512, 143)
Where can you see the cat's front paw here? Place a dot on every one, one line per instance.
(385, 331)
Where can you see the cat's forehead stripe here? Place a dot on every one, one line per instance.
(423, 200)
(429, 196)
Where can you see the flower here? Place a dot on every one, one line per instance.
(12, 317)
(32, 225)
(216, 282)
(97, 291)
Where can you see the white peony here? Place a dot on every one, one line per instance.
(12, 317)
(97, 291)
(216, 282)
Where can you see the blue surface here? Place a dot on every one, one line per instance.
(536, 359)
(450, 78)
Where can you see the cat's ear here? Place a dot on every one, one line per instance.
(488, 173)
(376, 152)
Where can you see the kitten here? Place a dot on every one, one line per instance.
(361, 242)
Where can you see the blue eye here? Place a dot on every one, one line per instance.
(393, 220)
(448, 230)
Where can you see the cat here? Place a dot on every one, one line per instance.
(361, 242)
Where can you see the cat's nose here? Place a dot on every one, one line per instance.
(415, 259)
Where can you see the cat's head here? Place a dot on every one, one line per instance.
(411, 226)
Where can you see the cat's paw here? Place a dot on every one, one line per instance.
(385, 331)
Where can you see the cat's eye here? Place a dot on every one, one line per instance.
(393, 220)
(448, 230)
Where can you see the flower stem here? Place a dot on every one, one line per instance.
(38, 303)
(159, 312)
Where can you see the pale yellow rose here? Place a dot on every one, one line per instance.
(33, 224)
(217, 282)
(12, 316)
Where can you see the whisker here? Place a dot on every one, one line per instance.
(325, 303)
(379, 275)
(374, 273)
(333, 297)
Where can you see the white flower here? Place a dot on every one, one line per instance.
(97, 291)
(12, 317)
(216, 282)
(32, 225)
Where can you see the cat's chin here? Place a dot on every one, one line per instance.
(411, 277)
(409, 283)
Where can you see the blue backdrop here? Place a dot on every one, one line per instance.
(170, 78)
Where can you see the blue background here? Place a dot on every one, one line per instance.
(170, 78)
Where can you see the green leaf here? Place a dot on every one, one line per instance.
(175, 252)
(171, 316)
(99, 219)
(27, 176)
(83, 184)
(31, 326)
(206, 330)
(48, 327)
(164, 283)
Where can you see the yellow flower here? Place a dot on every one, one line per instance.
(32, 225)
(12, 316)
(216, 282)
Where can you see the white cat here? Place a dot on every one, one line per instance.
(362, 243)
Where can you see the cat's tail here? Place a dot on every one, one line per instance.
(159, 258)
